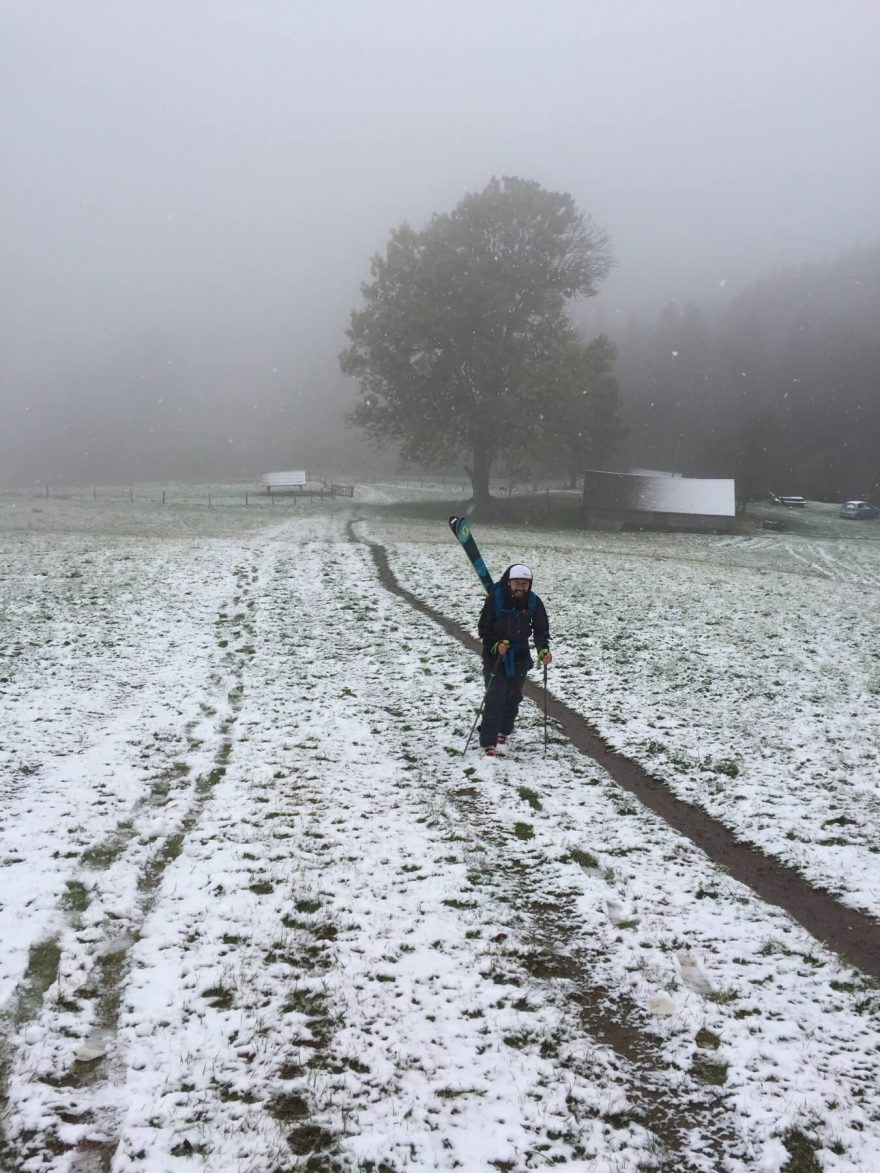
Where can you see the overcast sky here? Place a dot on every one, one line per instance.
(192, 189)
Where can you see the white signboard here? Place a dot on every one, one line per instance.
(283, 480)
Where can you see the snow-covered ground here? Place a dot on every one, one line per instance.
(745, 671)
(259, 913)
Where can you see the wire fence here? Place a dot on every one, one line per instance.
(216, 494)
(208, 496)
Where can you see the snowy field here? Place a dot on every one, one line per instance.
(258, 912)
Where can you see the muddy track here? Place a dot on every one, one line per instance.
(852, 934)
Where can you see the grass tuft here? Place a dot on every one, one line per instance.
(530, 796)
(802, 1152)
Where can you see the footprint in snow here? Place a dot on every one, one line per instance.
(692, 974)
(619, 915)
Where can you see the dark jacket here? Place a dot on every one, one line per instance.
(514, 624)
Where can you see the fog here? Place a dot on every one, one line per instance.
(191, 193)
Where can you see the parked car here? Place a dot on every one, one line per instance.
(855, 510)
(790, 502)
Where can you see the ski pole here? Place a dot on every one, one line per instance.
(545, 710)
(482, 703)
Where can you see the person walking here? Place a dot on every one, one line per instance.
(512, 612)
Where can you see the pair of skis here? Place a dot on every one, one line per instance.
(461, 527)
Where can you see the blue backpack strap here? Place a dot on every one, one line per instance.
(508, 659)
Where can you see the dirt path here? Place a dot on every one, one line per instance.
(849, 932)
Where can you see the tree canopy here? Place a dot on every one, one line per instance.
(463, 347)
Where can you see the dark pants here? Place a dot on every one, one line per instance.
(502, 701)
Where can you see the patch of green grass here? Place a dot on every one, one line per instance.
(305, 1002)
(288, 1107)
(76, 897)
(531, 797)
(207, 782)
(518, 1041)
(582, 858)
(707, 893)
(681, 762)
(802, 1151)
(453, 1093)
(220, 997)
(707, 1040)
(721, 997)
(523, 1005)
(709, 1071)
(310, 1140)
(170, 851)
(726, 766)
(226, 1093)
(42, 970)
(524, 831)
(102, 855)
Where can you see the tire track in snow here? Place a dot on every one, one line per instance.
(92, 954)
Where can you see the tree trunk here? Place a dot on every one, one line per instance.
(479, 474)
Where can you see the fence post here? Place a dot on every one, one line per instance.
(245, 497)
(131, 495)
(94, 492)
(209, 500)
(163, 496)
